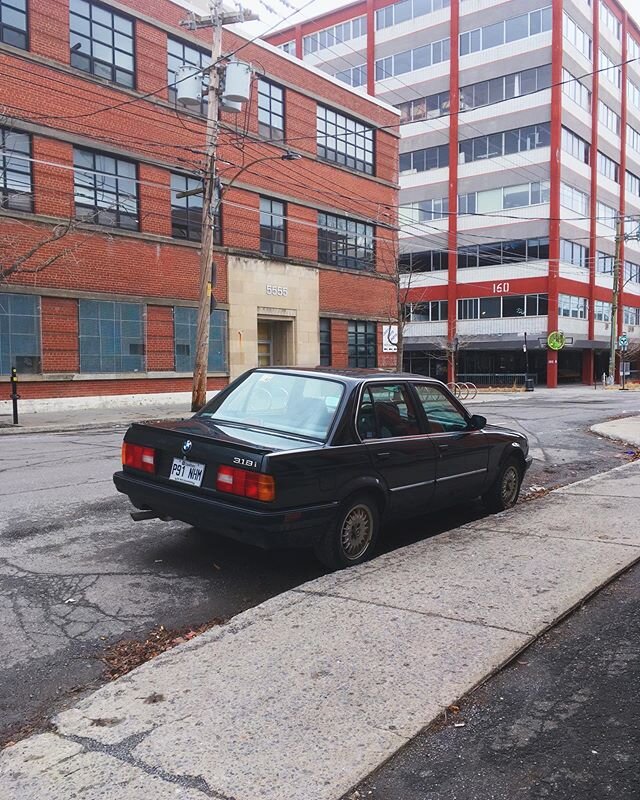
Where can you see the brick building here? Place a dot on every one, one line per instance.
(520, 149)
(99, 255)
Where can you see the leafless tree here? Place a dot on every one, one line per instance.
(17, 258)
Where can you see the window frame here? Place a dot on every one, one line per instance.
(36, 334)
(355, 135)
(195, 225)
(116, 320)
(95, 173)
(344, 226)
(3, 25)
(324, 337)
(5, 171)
(370, 330)
(267, 129)
(93, 41)
(189, 325)
(271, 245)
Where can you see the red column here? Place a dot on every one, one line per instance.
(454, 105)
(593, 235)
(623, 169)
(554, 199)
(299, 51)
(371, 48)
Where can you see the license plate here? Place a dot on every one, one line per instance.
(186, 472)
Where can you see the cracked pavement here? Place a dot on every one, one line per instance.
(76, 574)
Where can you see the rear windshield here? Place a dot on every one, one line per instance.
(300, 405)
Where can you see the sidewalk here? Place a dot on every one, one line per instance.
(306, 694)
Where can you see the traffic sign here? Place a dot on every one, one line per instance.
(623, 341)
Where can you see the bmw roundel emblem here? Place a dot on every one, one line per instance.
(186, 446)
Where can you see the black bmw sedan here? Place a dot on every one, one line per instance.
(312, 457)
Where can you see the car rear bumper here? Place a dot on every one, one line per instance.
(297, 527)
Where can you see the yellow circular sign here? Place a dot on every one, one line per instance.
(556, 340)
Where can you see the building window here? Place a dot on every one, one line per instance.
(578, 38)
(574, 253)
(508, 30)
(325, 342)
(410, 60)
(504, 252)
(633, 48)
(20, 334)
(602, 311)
(270, 110)
(186, 212)
(362, 344)
(424, 211)
(15, 170)
(633, 138)
(574, 199)
(288, 47)
(633, 184)
(630, 315)
(508, 306)
(179, 54)
(631, 272)
(13, 23)
(611, 71)
(608, 167)
(424, 261)
(346, 243)
(604, 263)
(354, 76)
(273, 240)
(111, 336)
(606, 215)
(505, 87)
(504, 198)
(495, 145)
(610, 21)
(344, 140)
(633, 94)
(571, 306)
(328, 37)
(608, 117)
(430, 107)
(576, 90)
(425, 160)
(106, 189)
(406, 10)
(185, 321)
(434, 311)
(101, 42)
(575, 145)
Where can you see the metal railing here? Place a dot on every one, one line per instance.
(498, 379)
(463, 390)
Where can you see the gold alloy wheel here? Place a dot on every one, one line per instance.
(510, 486)
(356, 532)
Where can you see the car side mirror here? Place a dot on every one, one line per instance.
(478, 422)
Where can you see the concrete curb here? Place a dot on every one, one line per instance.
(261, 706)
(18, 430)
(623, 429)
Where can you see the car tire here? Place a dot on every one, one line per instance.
(353, 535)
(505, 490)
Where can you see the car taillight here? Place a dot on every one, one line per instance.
(246, 484)
(139, 457)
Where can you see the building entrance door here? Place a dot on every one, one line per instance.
(275, 342)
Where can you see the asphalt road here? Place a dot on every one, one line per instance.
(76, 574)
(560, 722)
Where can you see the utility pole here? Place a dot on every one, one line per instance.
(618, 286)
(217, 20)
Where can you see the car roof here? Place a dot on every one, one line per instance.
(352, 375)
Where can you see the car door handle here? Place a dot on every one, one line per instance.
(383, 456)
(443, 447)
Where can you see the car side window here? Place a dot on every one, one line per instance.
(442, 415)
(387, 411)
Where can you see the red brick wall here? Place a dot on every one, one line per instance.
(160, 338)
(30, 390)
(108, 262)
(59, 320)
(339, 348)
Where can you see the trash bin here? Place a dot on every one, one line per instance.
(528, 384)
